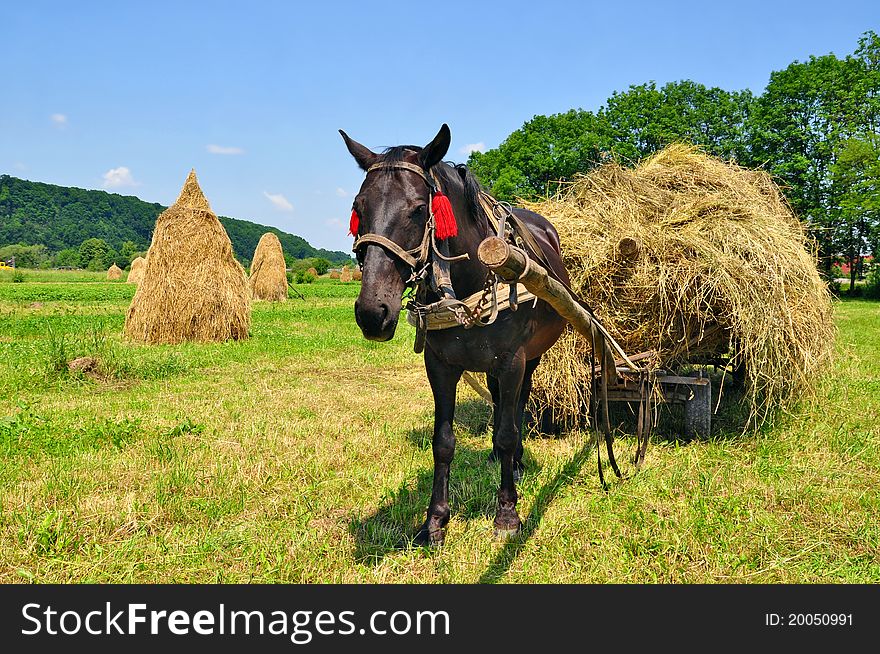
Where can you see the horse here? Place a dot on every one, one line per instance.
(395, 229)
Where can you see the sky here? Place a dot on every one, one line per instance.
(128, 97)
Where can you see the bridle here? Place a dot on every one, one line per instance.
(418, 258)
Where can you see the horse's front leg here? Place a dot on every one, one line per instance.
(443, 379)
(509, 372)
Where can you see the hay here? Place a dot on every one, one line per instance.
(345, 275)
(114, 273)
(193, 289)
(698, 260)
(313, 272)
(136, 274)
(268, 279)
(356, 275)
(334, 274)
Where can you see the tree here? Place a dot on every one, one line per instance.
(645, 119)
(545, 151)
(25, 256)
(67, 258)
(632, 124)
(799, 126)
(94, 254)
(855, 176)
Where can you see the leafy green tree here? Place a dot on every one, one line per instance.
(855, 176)
(94, 254)
(25, 256)
(632, 125)
(67, 258)
(128, 251)
(800, 125)
(645, 119)
(321, 265)
(546, 150)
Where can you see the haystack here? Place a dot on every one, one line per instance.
(268, 279)
(345, 275)
(193, 289)
(697, 261)
(136, 274)
(313, 272)
(356, 275)
(334, 274)
(114, 273)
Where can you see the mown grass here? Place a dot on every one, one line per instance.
(304, 455)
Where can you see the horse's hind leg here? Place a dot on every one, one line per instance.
(509, 373)
(443, 379)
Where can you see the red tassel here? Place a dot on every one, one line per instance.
(354, 223)
(444, 219)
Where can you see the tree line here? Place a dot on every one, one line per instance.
(815, 128)
(56, 226)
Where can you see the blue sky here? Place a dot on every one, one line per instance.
(128, 97)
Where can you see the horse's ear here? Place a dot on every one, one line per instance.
(362, 154)
(434, 152)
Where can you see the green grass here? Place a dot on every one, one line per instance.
(303, 455)
(66, 276)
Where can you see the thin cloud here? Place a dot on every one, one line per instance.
(19, 166)
(119, 178)
(473, 147)
(334, 222)
(341, 192)
(281, 203)
(224, 149)
(59, 120)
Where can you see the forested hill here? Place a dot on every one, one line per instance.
(62, 217)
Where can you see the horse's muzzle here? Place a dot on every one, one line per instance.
(377, 320)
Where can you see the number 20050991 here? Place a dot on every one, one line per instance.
(808, 619)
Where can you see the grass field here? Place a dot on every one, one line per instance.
(303, 455)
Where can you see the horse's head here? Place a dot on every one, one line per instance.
(392, 203)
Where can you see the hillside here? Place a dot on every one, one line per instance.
(62, 217)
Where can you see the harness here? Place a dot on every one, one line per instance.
(429, 266)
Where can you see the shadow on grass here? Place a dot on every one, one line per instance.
(473, 488)
(544, 498)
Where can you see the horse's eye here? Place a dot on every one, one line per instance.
(420, 211)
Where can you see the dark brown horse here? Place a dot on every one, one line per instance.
(394, 211)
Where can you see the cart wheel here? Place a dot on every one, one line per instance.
(698, 412)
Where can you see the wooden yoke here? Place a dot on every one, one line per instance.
(512, 264)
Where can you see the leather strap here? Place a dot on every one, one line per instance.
(388, 244)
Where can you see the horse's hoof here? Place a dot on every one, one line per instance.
(507, 524)
(427, 538)
(507, 533)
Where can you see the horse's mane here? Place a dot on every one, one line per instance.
(451, 176)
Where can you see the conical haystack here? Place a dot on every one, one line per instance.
(114, 273)
(695, 260)
(268, 271)
(193, 289)
(345, 276)
(136, 274)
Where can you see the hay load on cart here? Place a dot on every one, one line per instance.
(688, 260)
